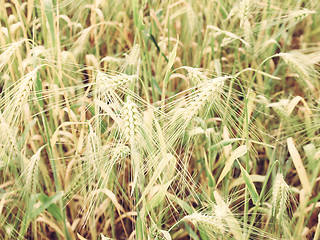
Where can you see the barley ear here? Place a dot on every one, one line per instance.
(131, 122)
(280, 198)
(32, 172)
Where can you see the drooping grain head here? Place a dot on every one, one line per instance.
(302, 66)
(17, 98)
(207, 92)
(108, 82)
(230, 36)
(207, 223)
(195, 75)
(8, 52)
(299, 15)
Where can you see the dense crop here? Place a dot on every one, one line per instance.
(159, 119)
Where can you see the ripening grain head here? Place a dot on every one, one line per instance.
(31, 173)
(205, 222)
(7, 53)
(131, 120)
(131, 123)
(105, 86)
(303, 67)
(280, 198)
(196, 75)
(207, 92)
(218, 223)
(108, 82)
(12, 103)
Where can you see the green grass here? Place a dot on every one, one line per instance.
(159, 119)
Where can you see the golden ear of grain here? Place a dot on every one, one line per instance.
(299, 166)
(229, 36)
(131, 120)
(218, 223)
(244, 10)
(7, 136)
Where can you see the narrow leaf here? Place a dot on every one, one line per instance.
(49, 14)
(238, 152)
(299, 165)
(224, 143)
(252, 189)
(50, 200)
(157, 199)
(53, 209)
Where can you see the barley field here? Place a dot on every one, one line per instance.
(173, 119)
